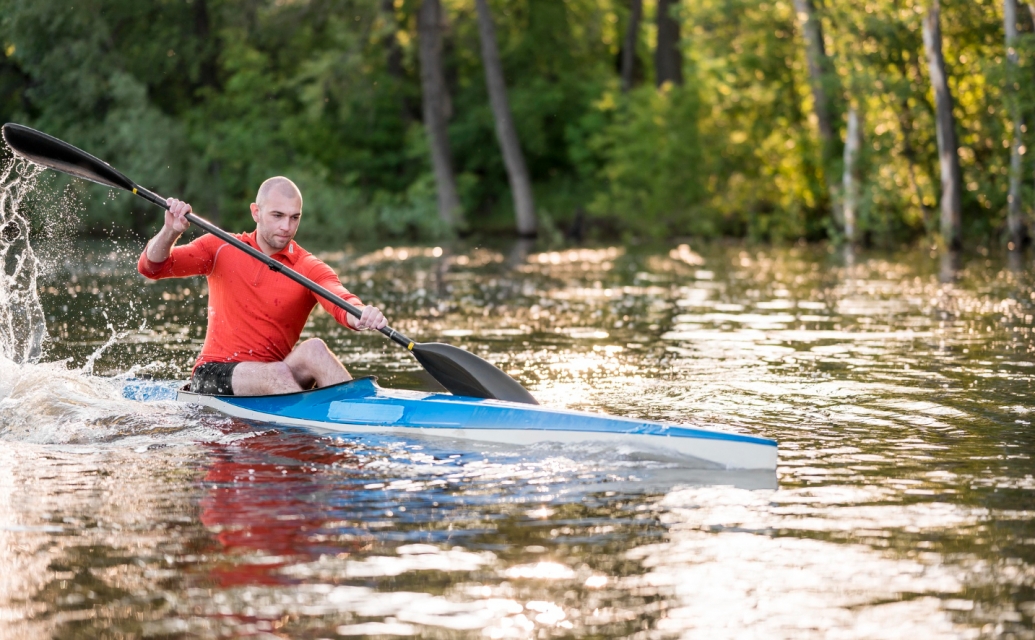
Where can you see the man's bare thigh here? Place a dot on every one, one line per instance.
(309, 363)
(262, 378)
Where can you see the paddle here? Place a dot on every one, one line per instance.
(459, 371)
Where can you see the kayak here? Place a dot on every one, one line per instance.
(362, 406)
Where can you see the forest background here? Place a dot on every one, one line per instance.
(771, 120)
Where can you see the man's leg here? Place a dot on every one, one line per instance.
(263, 378)
(310, 362)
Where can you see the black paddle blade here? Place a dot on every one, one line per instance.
(52, 153)
(465, 374)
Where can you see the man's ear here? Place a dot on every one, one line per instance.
(255, 212)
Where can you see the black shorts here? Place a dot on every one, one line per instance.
(213, 379)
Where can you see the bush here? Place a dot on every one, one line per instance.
(654, 170)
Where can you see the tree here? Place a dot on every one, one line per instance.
(436, 108)
(506, 133)
(394, 55)
(668, 58)
(632, 36)
(1014, 217)
(1031, 10)
(909, 152)
(945, 127)
(204, 99)
(853, 144)
(821, 76)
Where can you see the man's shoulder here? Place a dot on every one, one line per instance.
(306, 262)
(211, 241)
(302, 256)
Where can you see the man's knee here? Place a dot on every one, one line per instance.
(316, 351)
(314, 347)
(313, 361)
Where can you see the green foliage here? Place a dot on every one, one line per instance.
(764, 174)
(203, 99)
(653, 163)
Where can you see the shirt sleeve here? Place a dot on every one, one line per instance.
(324, 276)
(193, 259)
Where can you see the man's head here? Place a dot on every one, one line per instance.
(276, 211)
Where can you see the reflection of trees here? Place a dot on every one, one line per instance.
(518, 254)
(103, 533)
(949, 265)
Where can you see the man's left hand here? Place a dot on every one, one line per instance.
(372, 318)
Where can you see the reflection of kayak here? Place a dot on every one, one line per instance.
(361, 406)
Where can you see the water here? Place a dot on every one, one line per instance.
(899, 394)
(22, 327)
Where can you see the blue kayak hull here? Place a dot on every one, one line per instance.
(361, 406)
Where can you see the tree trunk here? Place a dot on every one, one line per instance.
(819, 67)
(945, 122)
(1014, 216)
(436, 108)
(1031, 10)
(394, 58)
(513, 158)
(853, 144)
(821, 76)
(632, 37)
(668, 58)
(209, 79)
(209, 68)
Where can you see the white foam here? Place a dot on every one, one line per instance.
(49, 403)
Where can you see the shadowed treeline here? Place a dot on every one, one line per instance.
(608, 118)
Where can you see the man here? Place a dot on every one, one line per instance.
(255, 315)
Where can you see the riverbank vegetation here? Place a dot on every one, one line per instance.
(772, 120)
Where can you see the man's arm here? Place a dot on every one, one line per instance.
(160, 259)
(371, 317)
(160, 247)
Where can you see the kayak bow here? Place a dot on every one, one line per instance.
(361, 406)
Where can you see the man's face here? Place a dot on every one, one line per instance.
(277, 220)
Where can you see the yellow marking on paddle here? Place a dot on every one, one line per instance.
(410, 346)
(134, 191)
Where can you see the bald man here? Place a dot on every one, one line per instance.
(255, 315)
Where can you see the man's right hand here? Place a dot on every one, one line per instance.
(175, 216)
(158, 250)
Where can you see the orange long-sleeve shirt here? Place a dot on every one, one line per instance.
(254, 313)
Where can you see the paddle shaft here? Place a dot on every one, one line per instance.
(459, 371)
(287, 271)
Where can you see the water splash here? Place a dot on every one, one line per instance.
(23, 327)
(49, 402)
(112, 339)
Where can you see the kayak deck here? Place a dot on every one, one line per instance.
(361, 406)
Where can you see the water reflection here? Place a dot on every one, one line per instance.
(1015, 260)
(949, 265)
(901, 403)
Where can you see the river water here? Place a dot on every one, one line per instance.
(899, 391)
